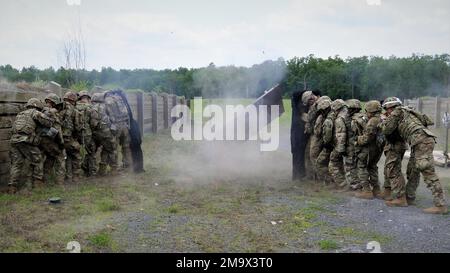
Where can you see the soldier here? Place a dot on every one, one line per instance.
(354, 115)
(53, 146)
(370, 147)
(103, 136)
(25, 144)
(322, 159)
(411, 127)
(89, 121)
(71, 126)
(336, 166)
(309, 99)
(120, 124)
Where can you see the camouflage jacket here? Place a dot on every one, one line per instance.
(340, 131)
(328, 129)
(89, 118)
(104, 123)
(409, 127)
(27, 123)
(55, 115)
(71, 120)
(371, 131)
(313, 113)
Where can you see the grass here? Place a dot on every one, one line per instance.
(328, 245)
(165, 214)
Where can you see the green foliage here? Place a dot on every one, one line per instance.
(101, 240)
(360, 77)
(81, 85)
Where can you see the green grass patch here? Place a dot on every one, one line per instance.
(101, 240)
(328, 245)
(106, 205)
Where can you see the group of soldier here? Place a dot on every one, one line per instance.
(344, 145)
(59, 138)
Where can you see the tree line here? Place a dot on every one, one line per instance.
(358, 77)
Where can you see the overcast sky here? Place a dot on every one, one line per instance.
(193, 33)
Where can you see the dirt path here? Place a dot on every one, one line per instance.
(205, 197)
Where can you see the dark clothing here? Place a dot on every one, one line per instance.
(298, 136)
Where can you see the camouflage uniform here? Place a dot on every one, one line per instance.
(24, 144)
(315, 141)
(322, 159)
(394, 181)
(336, 166)
(120, 124)
(354, 108)
(103, 137)
(421, 141)
(71, 126)
(370, 146)
(53, 147)
(89, 121)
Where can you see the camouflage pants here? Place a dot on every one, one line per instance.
(54, 163)
(367, 160)
(73, 158)
(89, 164)
(23, 154)
(122, 138)
(314, 151)
(108, 154)
(308, 164)
(350, 166)
(422, 162)
(322, 161)
(393, 177)
(336, 167)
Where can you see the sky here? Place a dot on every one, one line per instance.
(193, 33)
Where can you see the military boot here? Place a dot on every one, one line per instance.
(436, 210)
(38, 183)
(398, 202)
(387, 194)
(377, 193)
(411, 201)
(12, 189)
(364, 195)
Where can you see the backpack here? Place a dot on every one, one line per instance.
(24, 123)
(423, 118)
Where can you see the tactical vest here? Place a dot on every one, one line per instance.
(359, 122)
(318, 126)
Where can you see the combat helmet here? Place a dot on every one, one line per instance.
(306, 96)
(70, 96)
(323, 103)
(98, 97)
(337, 105)
(373, 106)
(83, 93)
(53, 98)
(353, 104)
(392, 102)
(35, 103)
